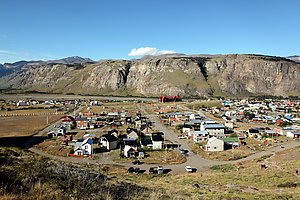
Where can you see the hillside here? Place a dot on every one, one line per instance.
(197, 75)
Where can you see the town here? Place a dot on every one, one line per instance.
(164, 135)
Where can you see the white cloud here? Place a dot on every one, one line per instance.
(145, 51)
(166, 52)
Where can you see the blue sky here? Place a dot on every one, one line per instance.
(111, 29)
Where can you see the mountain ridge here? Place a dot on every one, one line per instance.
(185, 75)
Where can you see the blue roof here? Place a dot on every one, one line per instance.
(214, 126)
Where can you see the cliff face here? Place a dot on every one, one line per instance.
(187, 76)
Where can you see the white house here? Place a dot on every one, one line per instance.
(187, 130)
(214, 144)
(130, 148)
(157, 140)
(109, 142)
(214, 129)
(293, 134)
(84, 148)
(200, 136)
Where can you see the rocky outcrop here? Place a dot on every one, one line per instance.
(226, 75)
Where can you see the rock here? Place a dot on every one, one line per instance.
(188, 76)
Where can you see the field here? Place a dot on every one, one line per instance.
(24, 125)
(153, 157)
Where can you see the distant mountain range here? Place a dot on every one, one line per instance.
(8, 68)
(174, 74)
(294, 58)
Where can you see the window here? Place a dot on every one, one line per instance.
(215, 147)
(85, 147)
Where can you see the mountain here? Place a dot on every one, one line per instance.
(194, 75)
(294, 58)
(72, 60)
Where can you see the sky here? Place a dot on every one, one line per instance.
(127, 29)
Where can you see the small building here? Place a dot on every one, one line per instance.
(200, 136)
(214, 129)
(231, 142)
(82, 123)
(84, 148)
(214, 144)
(129, 148)
(109, 142)
(132, 133)
(294, 134)
(146, 142)
(187, 130)
(157, 140)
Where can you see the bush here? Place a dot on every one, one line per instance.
(288, 185)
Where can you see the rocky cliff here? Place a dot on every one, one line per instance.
(226, 75)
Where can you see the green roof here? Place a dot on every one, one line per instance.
(230, 139)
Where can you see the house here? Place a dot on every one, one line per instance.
(253, 133)
(187, 130)
(109, 141)
(67, 121)
(157, 140)
(132, 133)
(229, 124)
(200, 136)
(82, 123)
(146, 142)
(271, 133)
(214, 144)
(57, 132)
(214, 129)
(284, 131)
(231, 142)
(294, 134)
(113, 132)
(113, 115)
(129, 148)
(146, 129)
(84, 148)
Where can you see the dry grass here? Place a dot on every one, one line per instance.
(253, 146)
(24, 125)
(53, 147)
(153, 157)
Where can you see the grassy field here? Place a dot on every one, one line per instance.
(196, 105)
(153, 157)
(24, 125)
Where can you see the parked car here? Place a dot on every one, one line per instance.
(160, 169)
(184, 151)
(136, 162)
(152, 170)
(130, 170)
(181, 137)
(189, 169)
(137, 170)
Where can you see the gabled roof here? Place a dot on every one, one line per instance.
(110, 138)
(87, 141)
(146, 140)
(230, 139)
(200, 133)
(82, 119)
(214, 126)
(195, 121)
(130, 142)
(158, 136)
